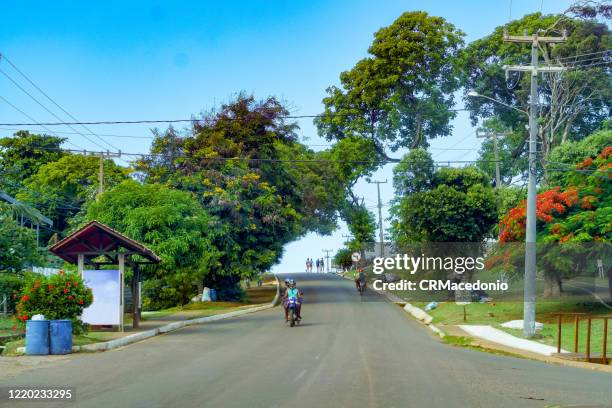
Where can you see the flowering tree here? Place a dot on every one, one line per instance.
(576, 212)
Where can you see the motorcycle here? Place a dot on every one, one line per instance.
(292, 306)
(362, 288)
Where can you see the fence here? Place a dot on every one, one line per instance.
(588, 356)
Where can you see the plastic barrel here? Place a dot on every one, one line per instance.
(60, 336)
(37, 337)
(213, 295)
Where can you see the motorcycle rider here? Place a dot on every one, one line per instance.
(291, 290)
(361, 279)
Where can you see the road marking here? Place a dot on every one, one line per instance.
(300, 375)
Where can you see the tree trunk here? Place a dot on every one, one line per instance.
(610, 282)
(552, 286)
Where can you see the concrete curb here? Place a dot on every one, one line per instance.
(418, 313)
(133, 338)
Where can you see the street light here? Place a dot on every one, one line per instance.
(529, 295)
(474, 94)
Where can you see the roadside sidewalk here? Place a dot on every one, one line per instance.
(458, 331)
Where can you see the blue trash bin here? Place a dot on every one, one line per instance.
(37, 337)
(213, 295)
(60, 336)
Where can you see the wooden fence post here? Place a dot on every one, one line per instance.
(588, 345)
(559, 336)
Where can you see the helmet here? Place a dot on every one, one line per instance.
(291, 282)
(287, 282)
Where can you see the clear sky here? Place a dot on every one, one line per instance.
(118, 60)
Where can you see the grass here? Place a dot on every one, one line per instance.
(468, 342)
(6, 324)
(77, 340)
(495, 313)
(255, 295)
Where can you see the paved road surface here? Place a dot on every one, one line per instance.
(347, 353)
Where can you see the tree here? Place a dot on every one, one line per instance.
(18, 247)
(414, 173)
(343, 259)
(60, 188)
(573, 215)
(233, 164)
(460, 206)
(23, 154)
(170, 222)
(361, 225)
(575, 102)
(402, 94)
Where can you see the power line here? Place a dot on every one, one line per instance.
(153, 137)
(192, 120)
(583, 55)
(31, 118)
(77, 133)
(43, 106)
(261, 160)
(49, 98)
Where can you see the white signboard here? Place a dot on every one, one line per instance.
(106, 306)
(356, 256)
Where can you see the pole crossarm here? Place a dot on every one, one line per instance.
(529, 68)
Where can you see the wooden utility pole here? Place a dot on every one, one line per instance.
(102, 155)
(327, 251)
(535, 40)
(494, 135)
(380, 220)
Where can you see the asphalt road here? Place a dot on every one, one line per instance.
(347, 353)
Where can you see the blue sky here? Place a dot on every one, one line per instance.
(118, 60)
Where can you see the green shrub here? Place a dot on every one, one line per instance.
(157, 295)
(11, 285)
(59, 296)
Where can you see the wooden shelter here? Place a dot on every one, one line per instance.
(97, 244)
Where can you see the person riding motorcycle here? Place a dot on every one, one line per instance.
(360, 280)
(291, 290)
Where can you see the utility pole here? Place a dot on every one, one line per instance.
(348, 238)
(529, 307)
(494, 135)
(102, 156)
(380, 220)
(327, 251)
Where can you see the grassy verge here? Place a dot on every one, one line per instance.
(495, 313)
(77, 340)
(255, 295)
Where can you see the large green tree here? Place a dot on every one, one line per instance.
(459, 205)
(574, 102)
(402, 94)
(170, 222)
(234, 162)
(60, 188)
(22, 155)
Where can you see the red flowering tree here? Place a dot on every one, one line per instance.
(576, 212)
(59, 296)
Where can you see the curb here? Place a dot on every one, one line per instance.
(133, 338)
(418, 313)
